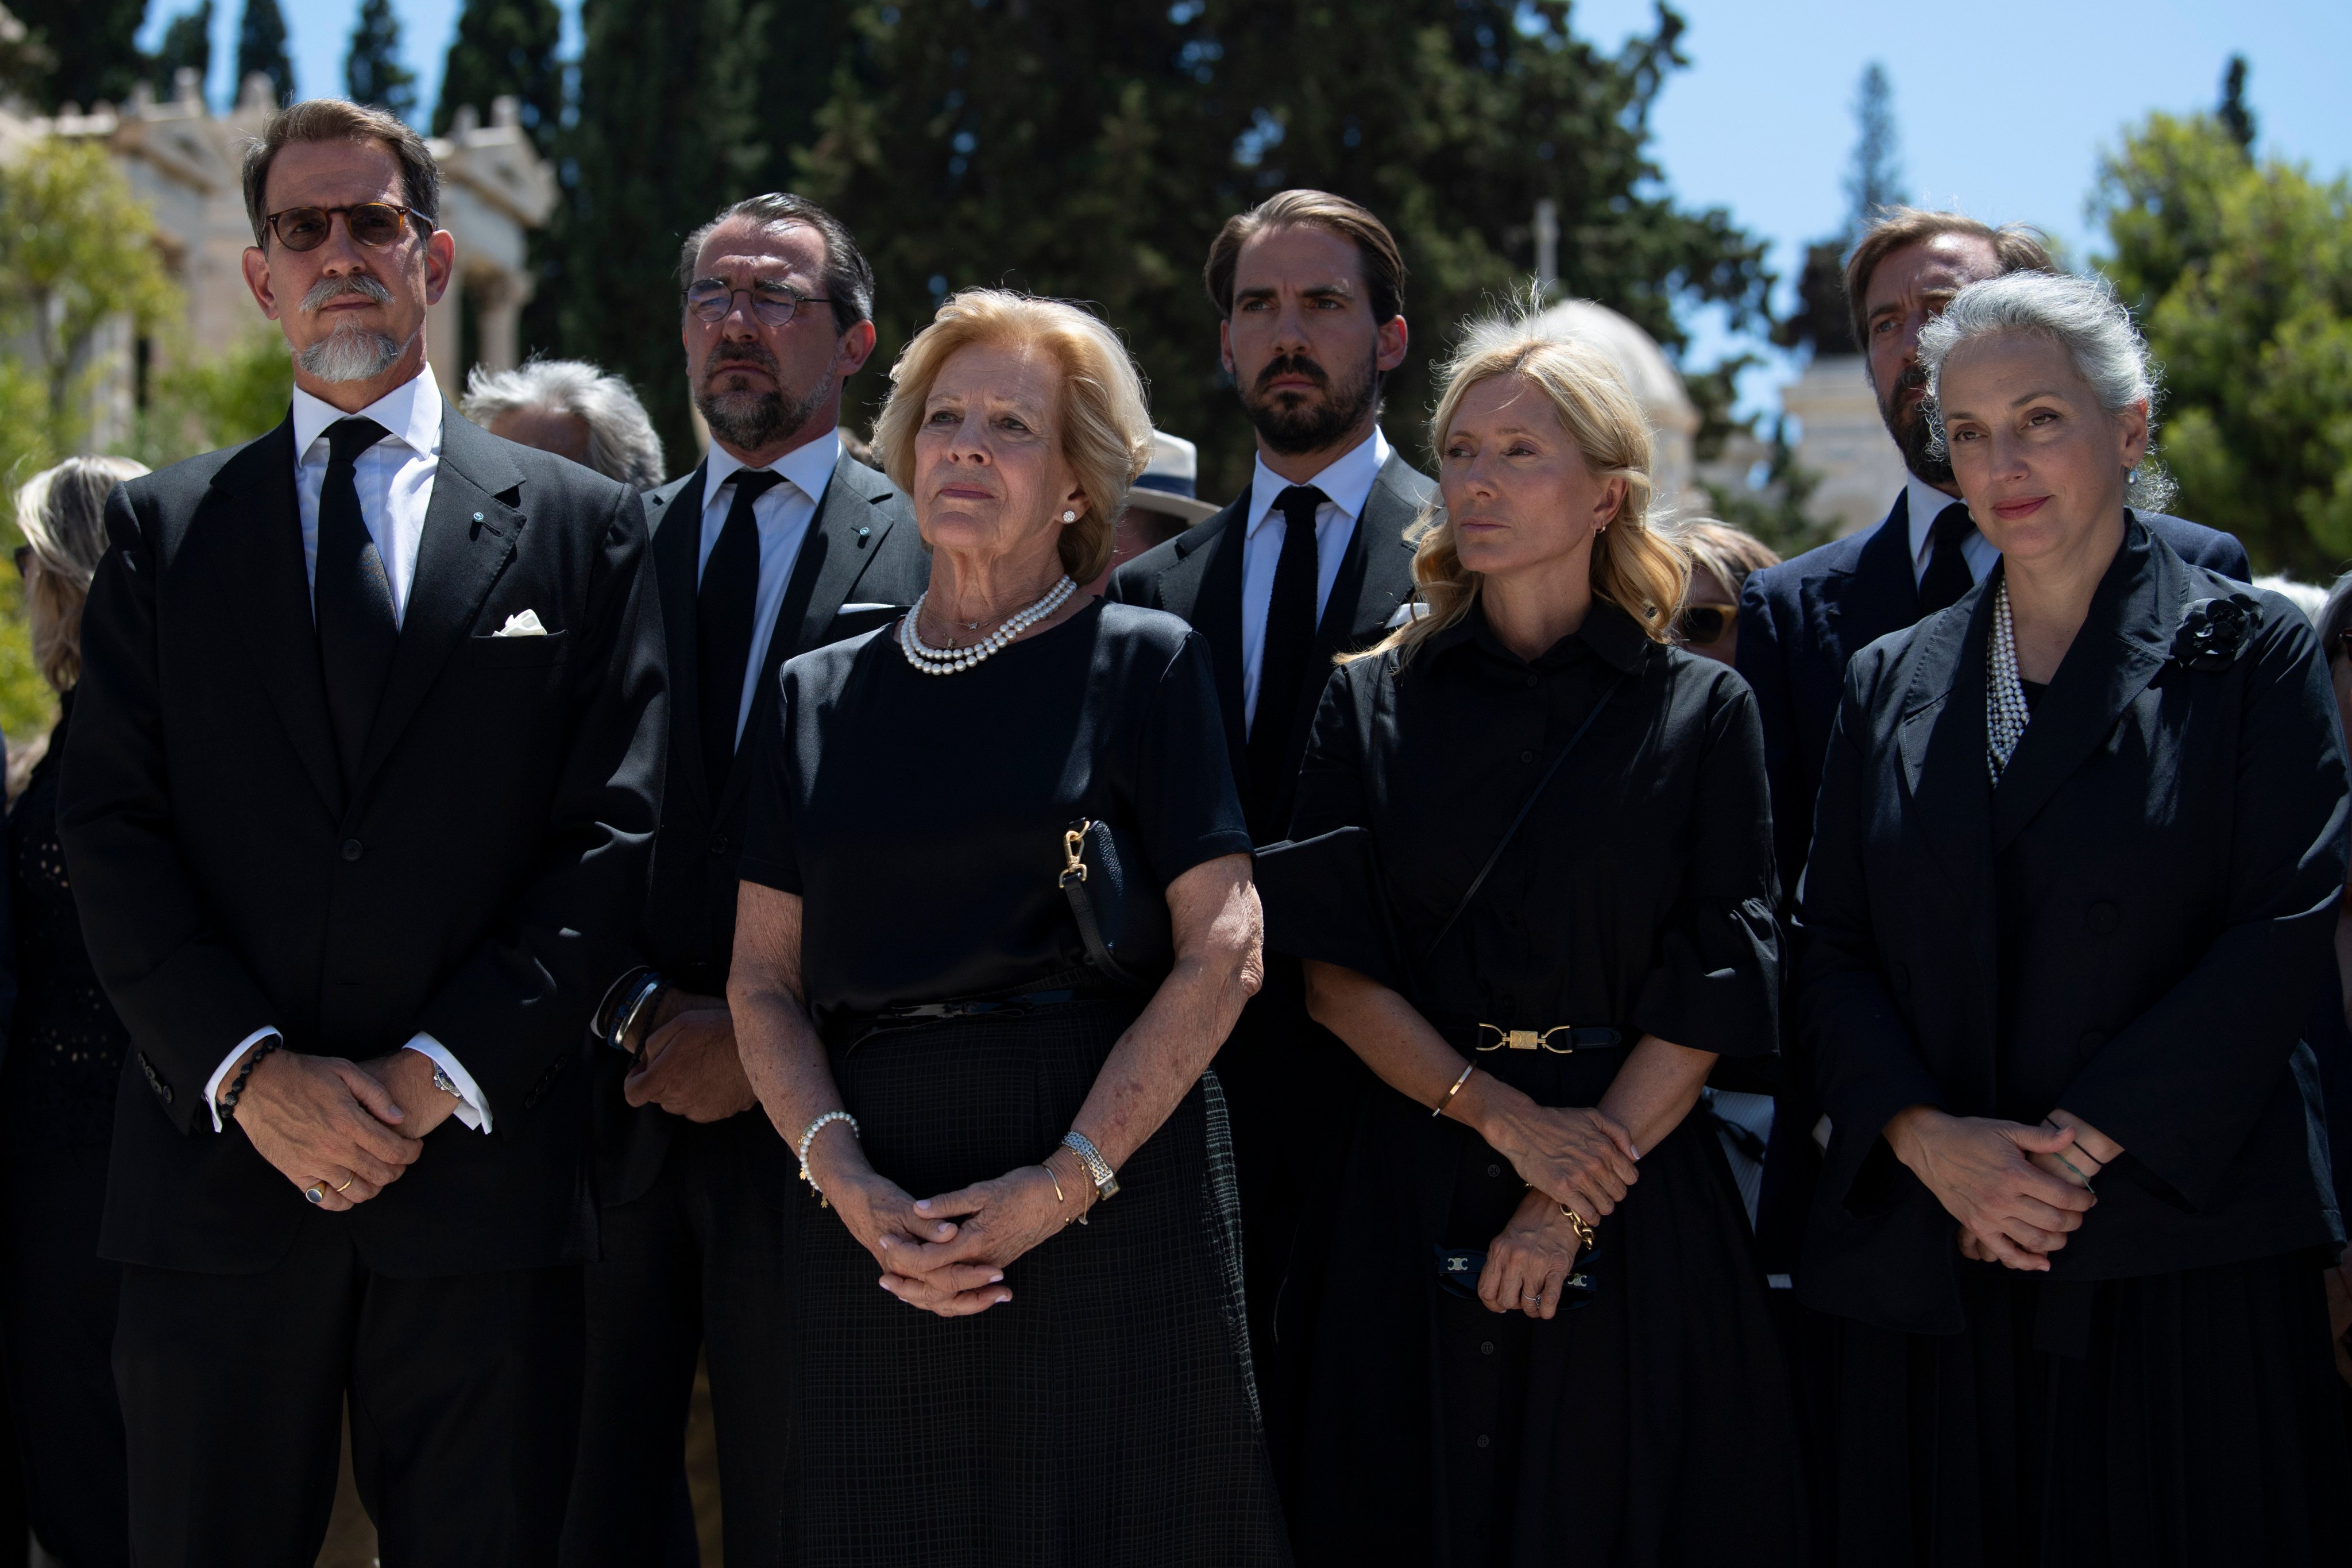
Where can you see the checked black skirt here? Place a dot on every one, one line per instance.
(1103, 1416)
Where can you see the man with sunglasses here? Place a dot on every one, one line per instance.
(362, 785)
(777, 542)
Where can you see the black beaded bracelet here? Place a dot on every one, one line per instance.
(236, 1089)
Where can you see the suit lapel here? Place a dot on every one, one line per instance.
(844, 534)
(1375, 577)
(1883, 594)
(676, 523)
(2123, 643)
(1204, 587)
(469, 535)
(255, 551)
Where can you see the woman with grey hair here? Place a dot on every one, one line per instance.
(2079, 847)
(570, 409)
(64, 1058)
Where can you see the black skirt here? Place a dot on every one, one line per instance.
(1104, 1414)
(2165, 1422)
(1651, 1427)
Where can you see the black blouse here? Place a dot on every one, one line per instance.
(921, 816)
(1639, 893)
(66, 1046)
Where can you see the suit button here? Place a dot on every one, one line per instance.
(2088, 1045)
(1531, 680)
(352, 850)
(1527, 756)
(718, 844)
(2104, 917)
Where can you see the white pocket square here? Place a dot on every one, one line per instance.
(525, 624)
(867, 609)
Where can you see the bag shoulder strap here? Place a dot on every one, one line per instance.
(1511, 832)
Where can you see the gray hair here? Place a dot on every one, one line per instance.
(848, 277)
(620, 440)
(2081, 316)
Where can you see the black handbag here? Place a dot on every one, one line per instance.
(1122, 913)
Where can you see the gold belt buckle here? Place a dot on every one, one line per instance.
(1527, 1040)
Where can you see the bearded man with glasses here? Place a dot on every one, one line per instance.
(778, 542)
(358, 804)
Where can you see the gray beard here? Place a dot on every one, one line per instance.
(752, 421)
(351, 352)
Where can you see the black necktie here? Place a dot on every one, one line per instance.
(723, 611)
(1948, 579)
(1289, 648)
(351, 598)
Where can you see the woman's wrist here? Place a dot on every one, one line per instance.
(1074, 1189)
(1909, 1130)
(1495, 1111)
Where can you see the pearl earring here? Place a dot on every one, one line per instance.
(1069, 517)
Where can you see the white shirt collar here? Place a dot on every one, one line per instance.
(410, 413)
(809, 465)
(1926, 504)
(1345, 481)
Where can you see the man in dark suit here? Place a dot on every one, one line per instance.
(777, 542)
(364, 773)
(1310, 562)
(1801, 620)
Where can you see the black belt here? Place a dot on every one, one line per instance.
(1561, 1040)
(984, 1006)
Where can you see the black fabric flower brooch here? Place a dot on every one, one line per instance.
(2214, 634)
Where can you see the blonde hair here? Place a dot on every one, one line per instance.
(1729, 552)
(61, 512)
(1634, 566)
(1105, 423)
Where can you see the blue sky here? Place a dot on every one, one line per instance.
(2003, 108)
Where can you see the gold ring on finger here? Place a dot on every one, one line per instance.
(346, 1182)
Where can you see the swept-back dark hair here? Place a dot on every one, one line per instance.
(1383, 264)
(848, 279)
(336, 119)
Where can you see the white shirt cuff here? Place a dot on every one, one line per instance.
(473, 1105)
(220, 1073)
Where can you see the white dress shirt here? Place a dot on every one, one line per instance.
(1346, 483)
(1926, 504)
(395, 480)
(782, 512)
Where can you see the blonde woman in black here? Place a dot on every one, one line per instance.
(1532, 879)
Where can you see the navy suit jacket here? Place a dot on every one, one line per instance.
(1800, 621)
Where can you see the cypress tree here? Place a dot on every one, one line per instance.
(261, 47)
(373, 70)
(91, 47)
(187, 44)
(506, 47)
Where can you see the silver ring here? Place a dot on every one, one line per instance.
(1536, 1296)
(316, 1192)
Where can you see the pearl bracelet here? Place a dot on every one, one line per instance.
(809, 1136)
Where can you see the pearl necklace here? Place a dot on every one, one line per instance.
(949, 660)
(2006, 714)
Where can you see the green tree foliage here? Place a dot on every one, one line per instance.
(1874, 181)
(373, 70)
(507, 48)
(1091, 151)
(261, 47)
(716, 77)
(187, 44)
(201, 404)
(2241, 275)
(92, 46)
(77, 255)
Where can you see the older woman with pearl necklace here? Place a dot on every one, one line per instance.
(1023, 1339)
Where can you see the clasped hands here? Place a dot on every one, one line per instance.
(2018, 1191)
(349, 1129)
(1571, 1158)
(947, 1254)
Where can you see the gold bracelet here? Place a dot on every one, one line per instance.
(1578, 1224)
(1450, 1093)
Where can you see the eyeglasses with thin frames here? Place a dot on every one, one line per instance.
(376, 224)
(772, 304)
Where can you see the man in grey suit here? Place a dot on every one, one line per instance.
(777, 542)
(1310, 562)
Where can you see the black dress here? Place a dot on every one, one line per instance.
(1653, 1424)
(1106, 1413)
(2129, 926)
(56, 1116)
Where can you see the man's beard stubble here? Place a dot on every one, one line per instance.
(1291, 424)
(1912, 432)
(751, 421)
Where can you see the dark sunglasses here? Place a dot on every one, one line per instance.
(1706, 623)
(772, 304)
(375, 224)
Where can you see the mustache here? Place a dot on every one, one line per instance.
(326, 290)
(1293, 365)
(756, 354)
